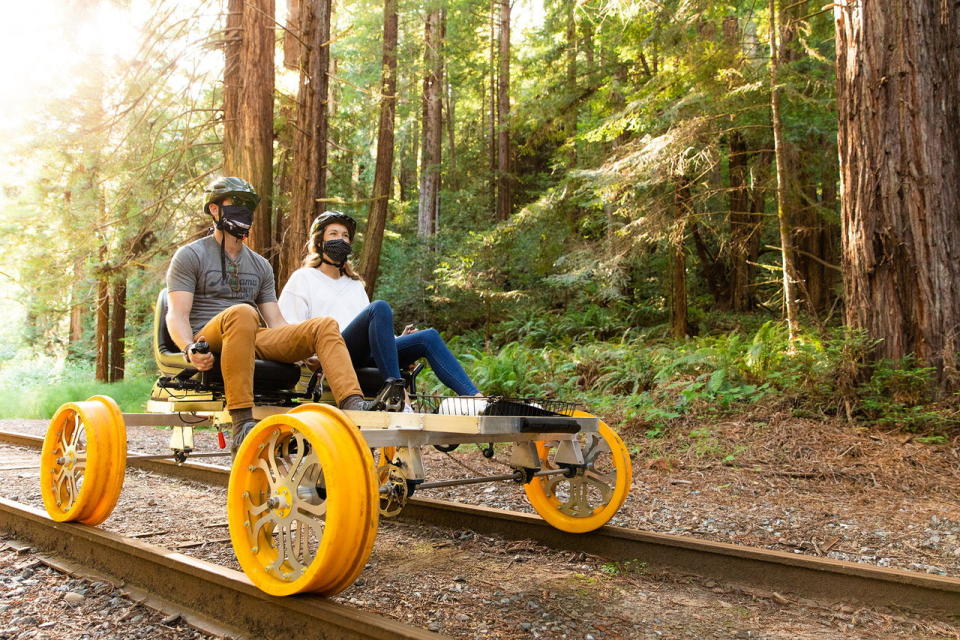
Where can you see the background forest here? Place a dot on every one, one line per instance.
(591, 199)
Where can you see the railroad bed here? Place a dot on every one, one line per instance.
(470, 585)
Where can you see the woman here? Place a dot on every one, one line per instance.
(326, 285)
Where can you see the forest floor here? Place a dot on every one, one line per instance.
(764, 479)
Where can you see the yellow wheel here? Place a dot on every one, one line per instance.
(302, 502)
(82, 461)
(590, 498)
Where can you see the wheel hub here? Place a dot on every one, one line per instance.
(282, 501)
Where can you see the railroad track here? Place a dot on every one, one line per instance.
(202, 587)
(820, 579)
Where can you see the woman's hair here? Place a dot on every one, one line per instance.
(314, 257)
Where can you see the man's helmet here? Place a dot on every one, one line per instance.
(329, 217)
(240, 190)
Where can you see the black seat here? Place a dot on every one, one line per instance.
(267, 374)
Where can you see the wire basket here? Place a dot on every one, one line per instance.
(489, 406)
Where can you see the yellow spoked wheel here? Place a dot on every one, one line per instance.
(302, 502)
(593, 495)
(82, 461)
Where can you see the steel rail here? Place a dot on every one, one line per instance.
(821, 579)
(208, 589)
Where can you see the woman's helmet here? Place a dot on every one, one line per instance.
(329, 217)
(240, 190)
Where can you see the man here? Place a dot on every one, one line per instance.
(218, 290)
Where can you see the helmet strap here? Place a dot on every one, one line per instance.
(339, 265)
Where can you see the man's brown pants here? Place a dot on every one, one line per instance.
(237, 336)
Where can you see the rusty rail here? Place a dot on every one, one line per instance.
(821, 579)
(205, 588)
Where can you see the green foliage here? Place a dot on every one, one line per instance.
(652, 383)
(36, 388)
(632, 567)
(900, 394)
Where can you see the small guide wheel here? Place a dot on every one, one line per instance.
(302, 502)
(393, 484)
(82, 461)
(592, 495)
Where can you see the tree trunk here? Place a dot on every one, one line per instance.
(898, 99)
(678, 260)
(504, 177)
(408, 163)
(830, 230)
(432, 115)
(78, 303)
(232, 84)
(383, 174)
(741, 227)
(786, 237)
(451, 131)
(493, 95)
(292, 36)
(252, 154)
(310, 134)
(102, 340)
(118, 321)
(570, 124)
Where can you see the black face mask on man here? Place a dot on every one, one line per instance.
(235, 220)
(337, 250)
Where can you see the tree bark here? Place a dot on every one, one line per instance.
(741, 226)
(678, 260)
(493, 95)
(570, 124)
(383, 174)
(451, 121)
(118, 321)
(898, 99)
(292, 47)
(232, 84)
(504, 177)
(310, 135)
(786, 233)
(78, 304)
(432, 116)
(102, 340)
(252, 154)
(408, 161)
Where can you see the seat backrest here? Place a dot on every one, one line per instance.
(162, 342)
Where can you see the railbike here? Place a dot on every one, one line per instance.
(309, 483)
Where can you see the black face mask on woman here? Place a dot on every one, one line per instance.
(337, 251)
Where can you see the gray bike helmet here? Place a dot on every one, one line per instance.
(329, 217)
(240, 190)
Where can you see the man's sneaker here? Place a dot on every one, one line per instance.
(239, 432)
(391, 396)
(357, 403)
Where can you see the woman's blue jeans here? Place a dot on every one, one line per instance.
(370, 340)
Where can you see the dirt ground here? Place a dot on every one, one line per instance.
(774, 482)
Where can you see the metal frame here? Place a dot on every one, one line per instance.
(408, 432)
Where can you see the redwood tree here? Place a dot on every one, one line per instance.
(383, 176)
(248, 147)
(898, 102)
(309, 182)
(432, 115)
(504, 177)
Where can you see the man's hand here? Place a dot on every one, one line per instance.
(407, 330)
(313, 363)
(199, 361)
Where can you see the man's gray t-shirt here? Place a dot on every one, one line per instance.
(196, 268)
